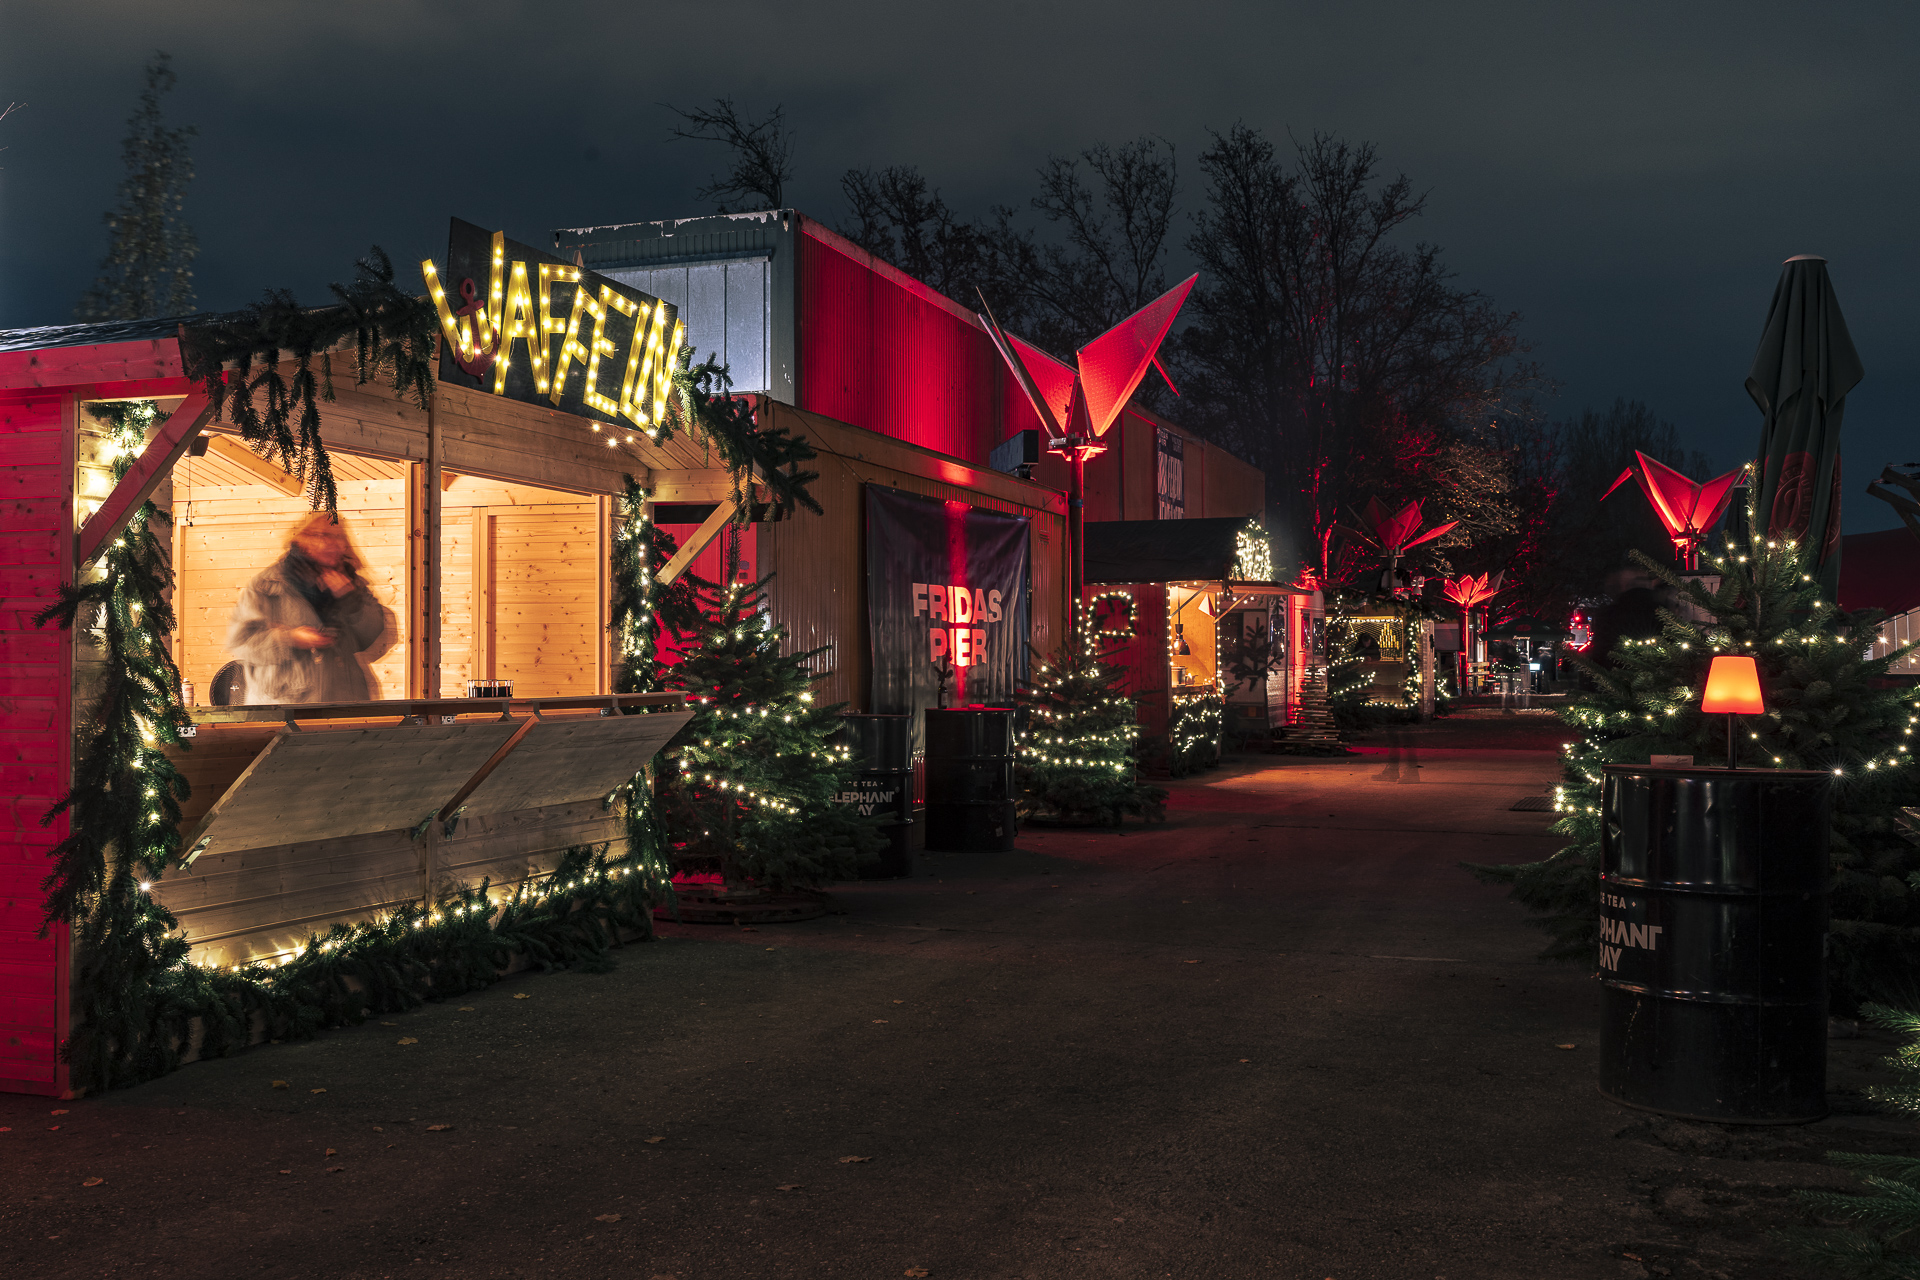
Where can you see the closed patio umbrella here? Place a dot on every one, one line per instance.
(1801, 375)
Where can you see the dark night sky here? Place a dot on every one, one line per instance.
(1627, 176)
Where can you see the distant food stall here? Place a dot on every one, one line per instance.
(1383, 640)
(1192, 606)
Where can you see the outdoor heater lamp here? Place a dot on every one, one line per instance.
(1733, 689)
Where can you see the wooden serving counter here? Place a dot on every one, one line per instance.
(304, 815)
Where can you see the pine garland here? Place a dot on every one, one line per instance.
(1829, 708)
(641, 608)
(124, 807)
(1882, 1240)
(751, 452)
(462, 942)
(394, 334)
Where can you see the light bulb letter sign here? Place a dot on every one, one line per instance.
(528, 326)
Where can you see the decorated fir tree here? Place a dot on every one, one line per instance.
(1079, 754)
(1829, 707)
(751, 787)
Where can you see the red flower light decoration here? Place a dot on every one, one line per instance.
(1468, 590)
(1688, 510)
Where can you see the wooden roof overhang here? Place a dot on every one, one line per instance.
(465, 432)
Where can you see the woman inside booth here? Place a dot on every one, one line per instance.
(306, 627)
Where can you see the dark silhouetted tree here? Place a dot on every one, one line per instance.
(762, 154)
(1321, 348)
(148, 270)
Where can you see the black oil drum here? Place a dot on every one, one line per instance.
(1713, 924)
(882, 748)
(970, 779)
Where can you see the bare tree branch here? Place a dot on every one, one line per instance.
(8, 110)
(762, 152)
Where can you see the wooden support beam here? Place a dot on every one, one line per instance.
(694, 545)
(148, 470)
(493, 762)
(430, 618)
(238, 455)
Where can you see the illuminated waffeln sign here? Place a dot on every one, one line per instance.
(532, 327)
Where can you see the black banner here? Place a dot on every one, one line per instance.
(531, 326)
(946, 598)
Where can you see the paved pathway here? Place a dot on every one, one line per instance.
(1282, 1035)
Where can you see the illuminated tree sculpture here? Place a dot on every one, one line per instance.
(1689, 509)
(1078, 406)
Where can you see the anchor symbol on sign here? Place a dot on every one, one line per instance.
(483, 356)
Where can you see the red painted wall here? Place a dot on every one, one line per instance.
(880, 350)
(710, 564)
(36, 671)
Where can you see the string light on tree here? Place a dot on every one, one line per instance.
(1827, 707)
(1078, 756)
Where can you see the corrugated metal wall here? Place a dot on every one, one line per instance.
(727, 310)
(883, 352)
(732, 275)
(818, 561)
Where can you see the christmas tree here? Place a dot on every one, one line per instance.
(1829, 708)
(1079, 756)
(752, 788)
(1882, 1246)
(148, 270)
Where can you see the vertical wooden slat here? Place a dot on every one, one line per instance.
(177, 597)
(421, 618)
(482, 594)
(429, 619)
(602, 546)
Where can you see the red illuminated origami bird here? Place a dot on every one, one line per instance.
(1395, 533)
(1687, 508)
(1077, 406)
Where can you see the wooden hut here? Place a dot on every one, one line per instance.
(482, 526)
(1200, 600)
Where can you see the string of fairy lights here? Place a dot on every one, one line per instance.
(1674, 708)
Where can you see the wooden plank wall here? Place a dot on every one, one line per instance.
(538, 582)
(36, 499)
(545, 568)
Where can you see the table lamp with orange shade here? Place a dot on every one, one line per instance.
(1733, 689)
